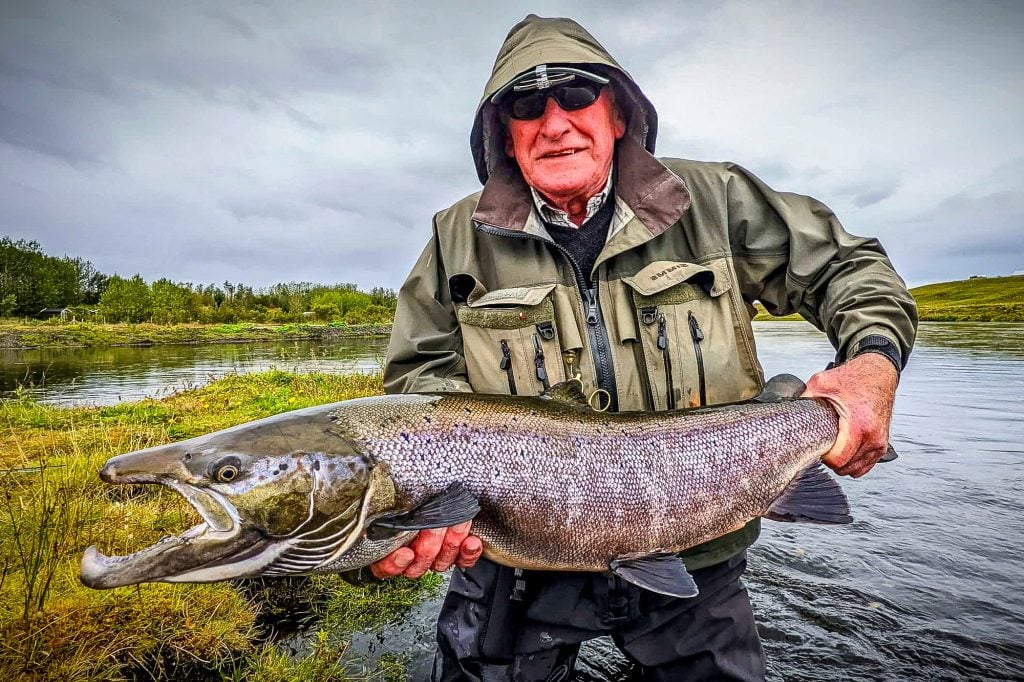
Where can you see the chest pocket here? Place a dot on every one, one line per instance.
(511, 340)
(686, 326)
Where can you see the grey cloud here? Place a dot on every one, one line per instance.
(268, 142)
(871, 195)
(232, 22)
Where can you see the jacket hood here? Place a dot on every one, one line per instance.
(537, 40)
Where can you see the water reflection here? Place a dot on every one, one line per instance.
(111, 375)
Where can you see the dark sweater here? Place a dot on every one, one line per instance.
(585, 242)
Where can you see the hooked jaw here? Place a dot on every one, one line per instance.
(218, 538)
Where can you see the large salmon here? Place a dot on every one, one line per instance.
(549, 483)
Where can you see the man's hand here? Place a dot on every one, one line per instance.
(862, 391)
(436, 549)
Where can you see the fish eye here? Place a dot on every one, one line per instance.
(225, 470)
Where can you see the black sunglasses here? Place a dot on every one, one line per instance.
(570, 97)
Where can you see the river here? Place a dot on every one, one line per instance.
(924, 585)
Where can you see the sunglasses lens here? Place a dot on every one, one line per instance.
(568, 97)
(529, 106)
(575, 97)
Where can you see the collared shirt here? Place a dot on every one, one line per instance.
(550, 214)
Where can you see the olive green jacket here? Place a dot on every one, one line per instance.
(493, 306)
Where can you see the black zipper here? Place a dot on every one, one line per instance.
(666, 357)
(597, 332)
(538, 363)
(697, 335)
(506, 366)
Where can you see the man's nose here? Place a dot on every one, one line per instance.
(554, 120)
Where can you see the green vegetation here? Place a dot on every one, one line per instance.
(30, 280)
(979, 299)
(54, 333)
(53, 506)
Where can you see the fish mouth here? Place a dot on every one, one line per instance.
(208, 551)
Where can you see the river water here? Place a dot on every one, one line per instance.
(926, 584)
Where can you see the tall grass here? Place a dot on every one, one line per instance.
(53, 505)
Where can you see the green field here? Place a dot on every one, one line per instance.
(979, 299)
(53, 506)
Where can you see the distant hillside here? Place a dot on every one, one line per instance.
(980, 299)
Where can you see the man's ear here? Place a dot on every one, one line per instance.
(509, 149)
(619, 123)
(618, 120)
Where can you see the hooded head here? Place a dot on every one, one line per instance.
(535, 41)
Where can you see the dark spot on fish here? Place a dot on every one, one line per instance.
(405, 436)
(316, 465)
(468, 411)
(283, 466)
(426, 419)
(188, 456)
(533, 413)
(261, 477)
(333, 417)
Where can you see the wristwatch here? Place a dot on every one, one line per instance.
(876, 343)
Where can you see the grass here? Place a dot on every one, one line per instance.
(18, 333)
(979, 299)
(53, 505)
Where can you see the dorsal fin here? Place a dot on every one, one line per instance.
(569, 393)
(780, 387)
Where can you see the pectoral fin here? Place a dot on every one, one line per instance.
(811, 497)
(889, 455)
(663, 573)
(453, 506)
(780, 387)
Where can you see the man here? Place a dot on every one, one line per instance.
(586, 256)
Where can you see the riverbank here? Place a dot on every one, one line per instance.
(17, 334)
(979, 299)
(53, 506)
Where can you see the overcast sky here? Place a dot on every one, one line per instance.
(277, 141)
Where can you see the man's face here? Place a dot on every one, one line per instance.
(567, 154)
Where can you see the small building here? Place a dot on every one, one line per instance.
(49, 313)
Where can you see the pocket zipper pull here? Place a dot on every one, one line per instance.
(662, 334)
(506, 366)
(695, 330)
(506, 357)
(538, 361)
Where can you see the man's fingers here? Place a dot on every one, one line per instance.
(450, 546)
(393, 564)
(472, 548)
(426, 546)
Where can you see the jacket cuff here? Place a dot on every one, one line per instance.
(876, 343)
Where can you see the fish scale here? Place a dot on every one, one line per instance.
(567, 489)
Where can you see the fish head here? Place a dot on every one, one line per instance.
(272, 501)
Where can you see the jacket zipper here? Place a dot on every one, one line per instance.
(667, 361)
(697, 335)
(506, 366)
(538, 363)
(597, 331)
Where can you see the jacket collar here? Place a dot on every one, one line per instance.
(657, 196)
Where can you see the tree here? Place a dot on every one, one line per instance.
(126, 300)
(172, 302)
